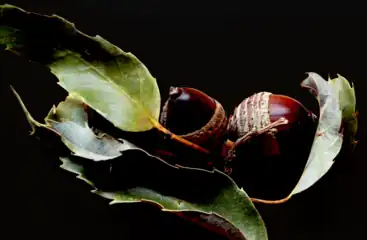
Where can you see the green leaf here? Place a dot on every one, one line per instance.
(70, 121)
(8, 37)
(347, 101)
(114, 83)
(210, 199)
(328, 139)
(337, 102)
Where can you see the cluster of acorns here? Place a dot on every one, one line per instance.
(200, 119)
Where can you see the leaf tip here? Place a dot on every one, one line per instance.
(113, 202)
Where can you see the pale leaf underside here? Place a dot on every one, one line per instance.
(337, 104)
(328, 140)
(70, 122)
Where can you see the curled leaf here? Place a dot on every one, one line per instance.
(337, 105)
(210, 199)
(70, 121)
(114, 83)
(328, 139)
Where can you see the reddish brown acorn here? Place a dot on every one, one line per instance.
(264, 108)
(194, 116)
(200, 119)
(272, 115)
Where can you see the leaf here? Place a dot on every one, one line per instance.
(90, 68)
(328, 139)
(8, 36)
(210, 199)
(337, 111)
(70, 122)
(347, 101)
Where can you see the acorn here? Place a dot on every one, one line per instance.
(264, 108)
(195, 116)
(269, 126)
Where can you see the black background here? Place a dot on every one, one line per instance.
(218, 51)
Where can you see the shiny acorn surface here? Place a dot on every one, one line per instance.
(269, 163)
(280, 147)
(195, 116)
(264, 108)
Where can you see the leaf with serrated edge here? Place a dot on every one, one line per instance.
(70, 121)
(347, 101)
(328, 140)
(229, 212)
(74, 168)
(114, 83)
(221, 205)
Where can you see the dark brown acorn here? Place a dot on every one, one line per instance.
(198, 118)
(194, 116)
(268, 163)
(274, 154)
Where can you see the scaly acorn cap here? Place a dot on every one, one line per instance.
(263, 108)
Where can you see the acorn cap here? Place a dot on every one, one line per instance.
(194, 116)
(263, 108)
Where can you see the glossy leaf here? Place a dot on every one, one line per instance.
(70, 121)
(114, 83)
